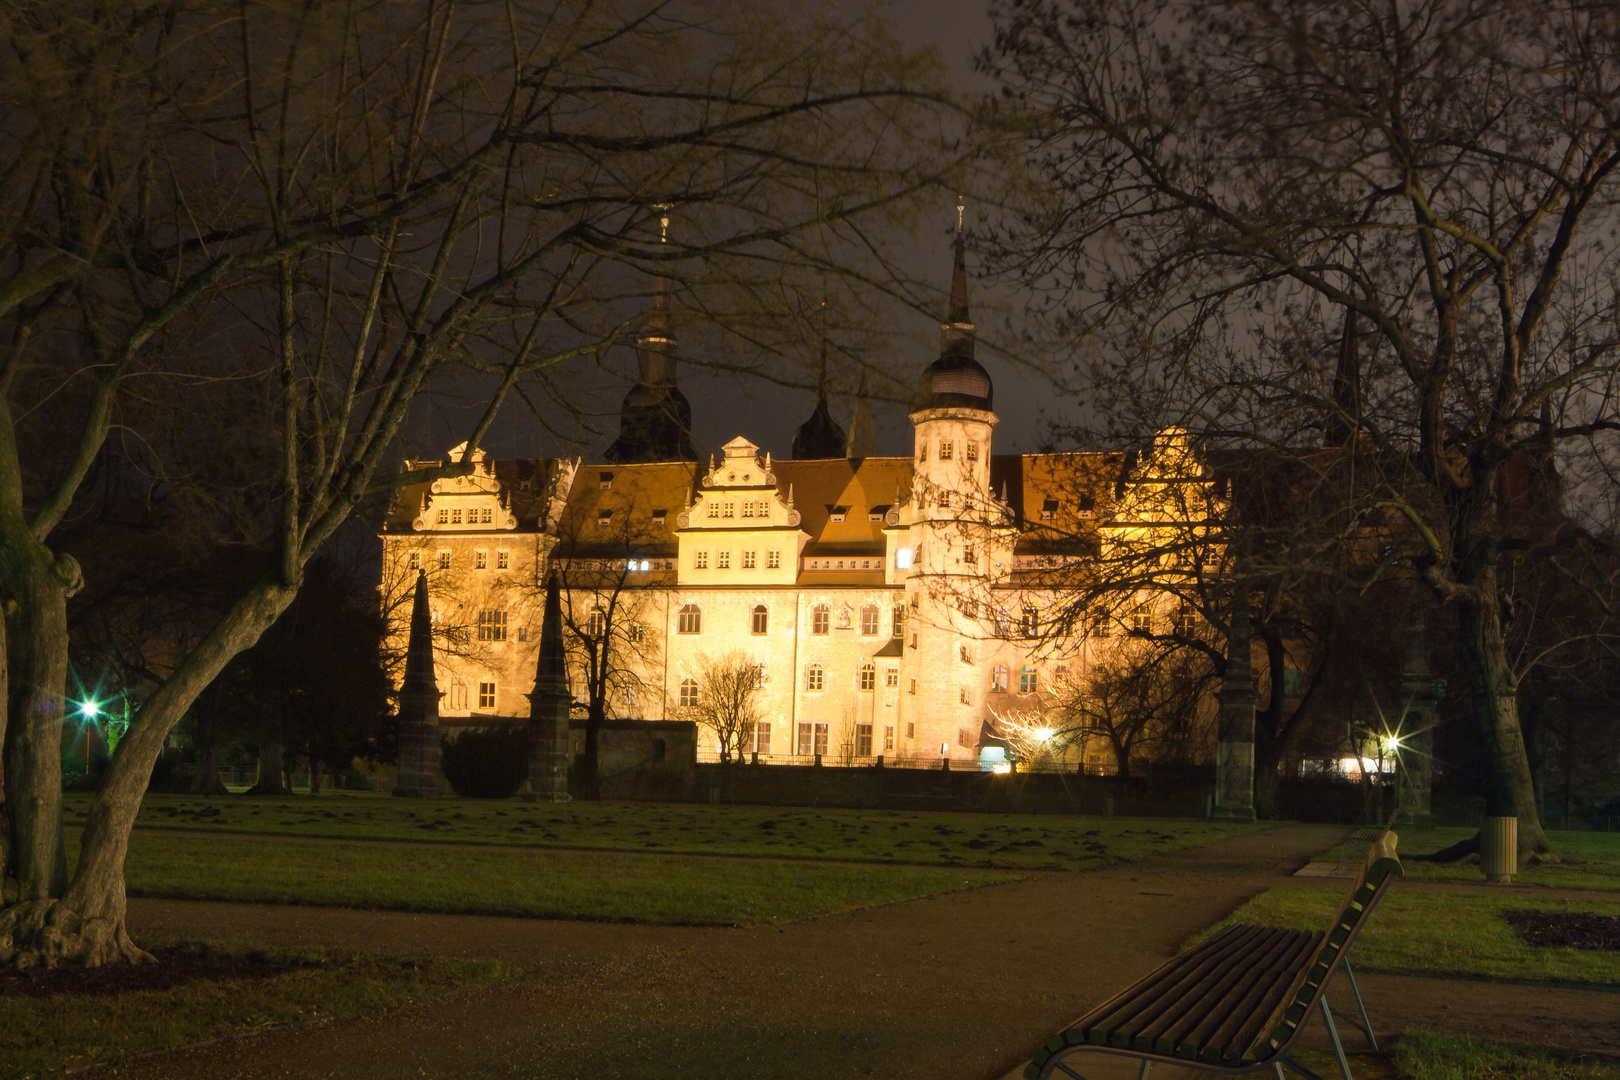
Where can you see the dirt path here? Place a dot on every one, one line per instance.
(960, 986)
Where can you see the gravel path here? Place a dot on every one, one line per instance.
(956, 987)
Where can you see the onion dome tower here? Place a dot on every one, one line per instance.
(655, 421)
(820, 436)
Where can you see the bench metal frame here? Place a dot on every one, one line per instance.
(1287, 1022)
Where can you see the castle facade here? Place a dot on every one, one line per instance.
(893, 607)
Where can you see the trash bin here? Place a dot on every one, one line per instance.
(1499, 848)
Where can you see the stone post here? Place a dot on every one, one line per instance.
(419, 706)
(549, 704)
(1234, 753)
(1414, 753)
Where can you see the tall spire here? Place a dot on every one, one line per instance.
(820, 436)
(655, 421)
(958, 312)
(419, 705)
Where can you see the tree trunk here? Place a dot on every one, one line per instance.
(1510, 792)
(86, 924)
(590, 774)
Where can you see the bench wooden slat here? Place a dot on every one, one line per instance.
(1215, 1004)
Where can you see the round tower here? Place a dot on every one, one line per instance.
(953, 513)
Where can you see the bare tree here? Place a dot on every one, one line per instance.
(327, 209)
(1213, 177)
(728, 701)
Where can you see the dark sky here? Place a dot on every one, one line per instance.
(723, 408)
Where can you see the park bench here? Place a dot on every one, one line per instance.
(1236, 1003)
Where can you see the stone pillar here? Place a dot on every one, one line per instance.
(419, 706)
(1414, 750)
(549, 703)
(1234, 753)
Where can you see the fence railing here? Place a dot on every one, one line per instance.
(889, 761)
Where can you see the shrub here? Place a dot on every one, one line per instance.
(486, 763)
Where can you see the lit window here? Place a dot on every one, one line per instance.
(492, 626)
(773, 560)
(700, 560)
(480, 560)
(891, 677)
(596, 622)
(820, 619)
(973, 451)
(637, 632)
(1142, 619)
(444, 517)
(748, 508)
(869, 620)
(730, 510)
(1026, 680)
(888, 738)
(415, 560)
(902, 559)
(868, 677)
(1031, 622)
(689, 620)
(998, 679)
(714, 509)
(444, 560)
(488, 515)
(762, 619)
(1186, 619)
(748, 560)
(945, 499)
(486, 695)
(815, 677)
(503, 560)
(945, 451)
(455, 517)
(722, 560)
(689, 693)
(898, 620)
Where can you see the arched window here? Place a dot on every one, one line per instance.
(814, 677)
(1031, 622)
(596, 622)
(868, 676)
(762, 618)
(869, 620)
(690, 620)
(689, 697)
(820, 619)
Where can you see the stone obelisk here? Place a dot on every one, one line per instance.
(419, 706)
(1234, 753)
(1415, 749)
(549, 703)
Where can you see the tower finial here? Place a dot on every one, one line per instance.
(958, 312)
(961, 205)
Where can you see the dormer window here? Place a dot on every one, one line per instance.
(658, 517)
(714, 510)
(488, 516)
(1049, 509)
(444, 517)
(455, 517)
(748, 508)
(730, 510)
(605, 480)
(839, 512)
(604, 517)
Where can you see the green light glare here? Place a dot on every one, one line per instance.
(90, 709)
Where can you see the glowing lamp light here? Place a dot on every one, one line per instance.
(90, 709)
(1392, 743)
(1001, 767)
(1043, 734)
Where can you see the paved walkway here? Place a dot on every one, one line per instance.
(959, 987)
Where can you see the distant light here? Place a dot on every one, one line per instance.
(1001, 767)
(1042, 734)
(90, 709)
(902, 559)
(1392, 742)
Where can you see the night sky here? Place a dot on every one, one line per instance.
(723, 407)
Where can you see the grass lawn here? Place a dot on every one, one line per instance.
(594, 885)
(991, 841)
(1446, 935)
(71, 1018)
(1588, 860)
(1421, 1055)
